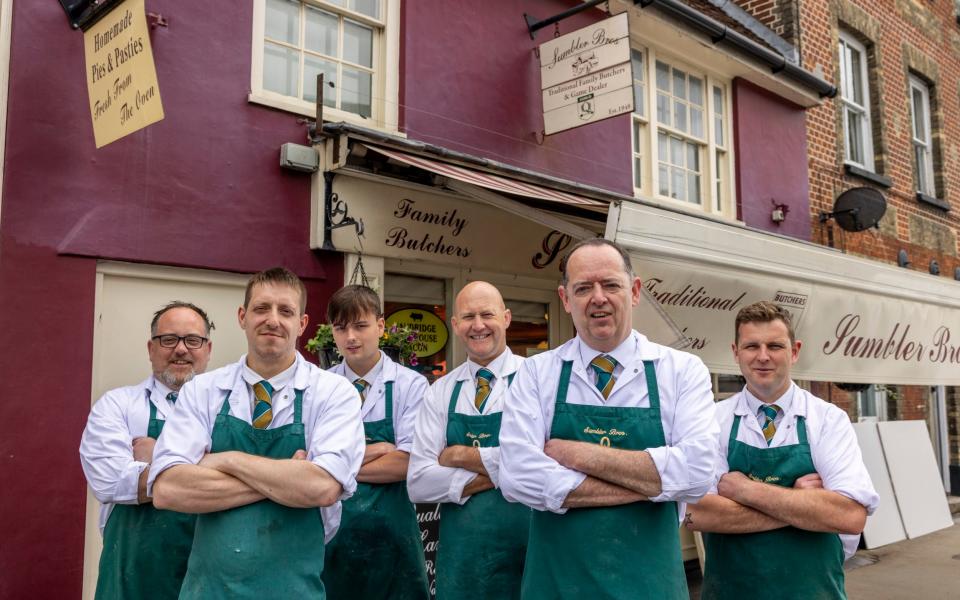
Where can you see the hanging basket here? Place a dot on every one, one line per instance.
(328, 357)
(394, 353)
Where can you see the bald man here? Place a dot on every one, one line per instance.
(455, 458)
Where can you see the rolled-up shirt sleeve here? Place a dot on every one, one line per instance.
(527, 474)
(336, 442)
(687, 464)
(427, 479)
(490, 457)
(839, 462)
(406, 420)
(185, 437)
(106, 454)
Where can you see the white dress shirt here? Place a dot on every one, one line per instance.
(833, 444)
(331, 419)
(427, 480)
(685, 463)
(409, 388)
(106, 448)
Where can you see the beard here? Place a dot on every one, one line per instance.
(173, 381)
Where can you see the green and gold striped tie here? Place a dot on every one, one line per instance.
(603, 365)
(769, 428)
(263, 406)
(361, 385)
(484, 377)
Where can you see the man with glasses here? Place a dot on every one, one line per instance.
(145, 550)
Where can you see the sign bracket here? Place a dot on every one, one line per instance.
(334, 207)
(533, 24)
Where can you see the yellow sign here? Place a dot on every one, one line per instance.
(431, 330)
(121, 77)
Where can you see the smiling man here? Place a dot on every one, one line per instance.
(456, 457)
(264, 449)
(145, 550)
(791, 479)
(604, 437)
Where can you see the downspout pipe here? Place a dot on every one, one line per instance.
(721, 34)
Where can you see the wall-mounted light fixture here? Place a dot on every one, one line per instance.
(934, 267)
(902, 259)
(779, 212)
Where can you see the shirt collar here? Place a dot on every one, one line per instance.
(278, 381)
(158, 389)
(635, 346)
(496, 366)
(370, 376)
(751, 404)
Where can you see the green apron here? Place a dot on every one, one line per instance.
(261, 550)
(482, 542)
(377, 553)
(786, 563)
(613, 552)
(145, 550)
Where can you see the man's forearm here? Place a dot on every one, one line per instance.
(142, 497)
(480, 483)
(594, 492)
(630, 469)
(293, 483)
(463, 457)
(196, 489)
(809, 509)
(716, 514)
(389, 468)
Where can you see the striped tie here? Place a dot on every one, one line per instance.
(603, 366)
(263, 407)
(361, 386)
(484, 377)
(769, 428)
(172, 397)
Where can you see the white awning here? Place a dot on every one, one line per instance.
(859, 320)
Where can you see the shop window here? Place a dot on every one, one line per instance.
(680, 134)
(424, 299)
(921, 137)
(345, 40)
(855, 102)
(872, 404)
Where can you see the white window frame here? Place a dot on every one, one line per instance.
(922, 141)
(645, 129)
(386, 77)
(850, 105)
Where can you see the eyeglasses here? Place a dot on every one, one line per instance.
(193, 342)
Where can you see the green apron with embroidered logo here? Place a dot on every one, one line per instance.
(482, 542)
(614, 552)
(261, 550)
(145, 550)
(786, 563)
(377, 552)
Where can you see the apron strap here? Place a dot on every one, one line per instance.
(802, 430)
(153, 407)
(564, 382)
(297, 406)
(454, 396)
(652, 389)
(225, 409)
(388, 406)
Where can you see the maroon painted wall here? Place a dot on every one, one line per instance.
(202, 188)
(770, 142)
(471, 82)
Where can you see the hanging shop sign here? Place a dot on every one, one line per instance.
(407, 223)
(431, 331)
(586, 76)
(121, 77)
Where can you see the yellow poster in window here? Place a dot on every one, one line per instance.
(121, 76)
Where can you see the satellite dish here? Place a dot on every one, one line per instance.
(857, 209)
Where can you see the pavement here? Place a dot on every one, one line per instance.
(927, 567)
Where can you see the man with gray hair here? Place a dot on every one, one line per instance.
(145, 550)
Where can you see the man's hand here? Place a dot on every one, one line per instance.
(143, 449)
(299, 455)
(374, 451)
(734, 485)
(809, 482)
(565, 452)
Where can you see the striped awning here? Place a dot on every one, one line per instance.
(493, 182)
